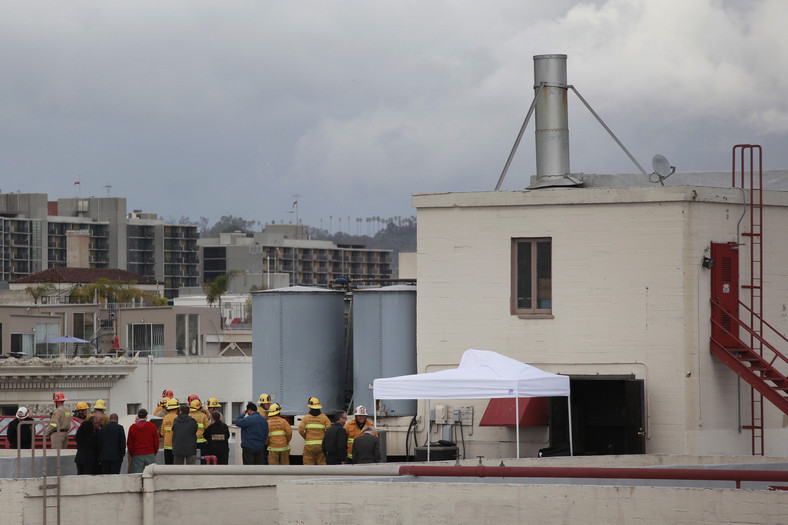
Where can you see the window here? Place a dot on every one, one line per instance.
(45, 332)
(133, 408)
(146, 337)
(186, 333)
(237, 410)
(532, 294)
(83, 325)
(22, 345)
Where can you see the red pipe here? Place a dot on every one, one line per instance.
(597, 472)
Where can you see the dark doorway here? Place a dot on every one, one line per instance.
(607, 418)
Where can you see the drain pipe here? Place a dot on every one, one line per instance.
(312, 471)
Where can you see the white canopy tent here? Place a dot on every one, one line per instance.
(481, 375)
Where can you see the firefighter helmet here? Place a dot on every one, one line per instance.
(168, 394)
(274, 410)
(59, 396)
(82, 406)
(163, 402)
(195, 404)
(264, 398)
(22, 413)
(361, 410)
(314, 402)
(172, 404)
(100, 405)
(213, 403)
(193, 397)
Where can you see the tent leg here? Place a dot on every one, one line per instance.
(569, 407)
(517, 423)
(375, 414)
(429, 428)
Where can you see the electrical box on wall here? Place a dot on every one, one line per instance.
(441, 414)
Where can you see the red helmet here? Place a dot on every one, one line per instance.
(59, 396)
(193, 397)
(169, 394)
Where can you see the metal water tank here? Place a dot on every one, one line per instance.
(298, 341)
(384, 343)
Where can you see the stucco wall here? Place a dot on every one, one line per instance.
(629, 297)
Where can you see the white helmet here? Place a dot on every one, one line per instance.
(361, 410)
(22, 413)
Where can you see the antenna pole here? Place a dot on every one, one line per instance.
(519, 137)
(608, 130)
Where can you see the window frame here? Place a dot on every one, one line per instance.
(533, 312)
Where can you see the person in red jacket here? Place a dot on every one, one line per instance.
(143, 442)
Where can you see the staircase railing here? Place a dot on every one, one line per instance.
(760, 364)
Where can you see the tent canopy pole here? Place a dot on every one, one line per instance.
(569, 406)
(516, 421)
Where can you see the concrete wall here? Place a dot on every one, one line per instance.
(346, 503)
(307, 495)
(629, 298)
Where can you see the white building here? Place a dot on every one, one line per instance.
(621, 304)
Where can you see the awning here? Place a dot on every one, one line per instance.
(534, 412)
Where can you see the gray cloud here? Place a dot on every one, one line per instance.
(214, 108)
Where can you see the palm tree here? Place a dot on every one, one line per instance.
(216, 288)
(40, 291)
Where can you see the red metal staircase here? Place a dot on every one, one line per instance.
(763, 371)
(753, 358)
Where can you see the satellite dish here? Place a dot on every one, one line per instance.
(662, 168)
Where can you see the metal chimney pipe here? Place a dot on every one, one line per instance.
(552, 120)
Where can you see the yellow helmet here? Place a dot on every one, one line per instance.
(314, 403)
(100, 405)
(274, 410)
(195, 404)
(264, 398)
(172, 404)
(82, 406)
(213, 402)
(163, 402)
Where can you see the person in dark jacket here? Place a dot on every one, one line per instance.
(87, 457)
(366, 448)
(25, 439)
(254, 433)
(335, 440)
(112, 446)
(184, 438)
(217, 435)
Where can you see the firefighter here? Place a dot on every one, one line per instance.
(198, 414)
(99, 408)
(60, 422)
(81, 410)
(166, 429)
(279, 435)
(355, 428)
(202, 408)
(161, 410)
(312, 428)
(213, 406)
(263, 405)
(25, 435)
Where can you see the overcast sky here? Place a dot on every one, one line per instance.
(194, 108)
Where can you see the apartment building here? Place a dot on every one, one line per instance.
(286, 249)
(94, 232)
